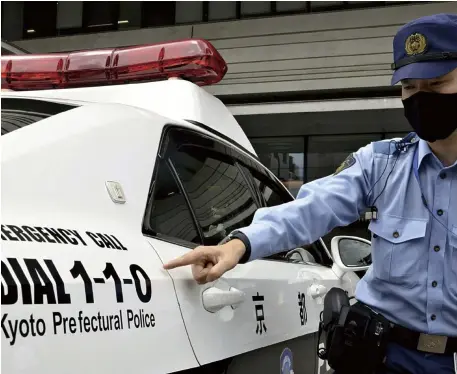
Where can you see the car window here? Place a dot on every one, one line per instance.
(199, 193)
(170, 216)
(204, 189)
(217, 190)
(17, 113)
(273, 193)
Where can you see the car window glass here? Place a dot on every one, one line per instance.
(274, 194)
(271, 192)
(17, 113)
(218, 193)
(170, 216)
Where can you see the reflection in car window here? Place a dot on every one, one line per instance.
(272, 194)
(218, 193)
(18, 113)
(170, 215)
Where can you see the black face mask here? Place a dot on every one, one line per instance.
(433, 116)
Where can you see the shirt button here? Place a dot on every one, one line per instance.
(443, 175)
(433, 317)
(440, 212)
(396, 234)
(436, 248)
(434, 283)
(375, 236)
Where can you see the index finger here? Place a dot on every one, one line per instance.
(186, 259)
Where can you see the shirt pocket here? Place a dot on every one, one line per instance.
(398, 245)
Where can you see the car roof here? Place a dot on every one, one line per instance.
(174, 98)
(9, 48)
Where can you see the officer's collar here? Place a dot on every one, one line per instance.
(413, 140)
(423, 150)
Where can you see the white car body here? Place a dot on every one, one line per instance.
(54, 176)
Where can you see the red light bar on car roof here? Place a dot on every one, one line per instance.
(195, 60)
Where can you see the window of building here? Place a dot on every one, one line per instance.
(129, 15)
(221, 10)
(75, 17)
(189, 12)
(326, 153)
(39, 19)
(69, 17)
(373, 3)
(255, 8)
(12, 20)
(218, 193)
(170, 216)
(100, 16)
(326, 5)
(158, 13)
(285, 157)
(291, 6)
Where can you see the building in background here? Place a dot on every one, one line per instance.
(309, 81)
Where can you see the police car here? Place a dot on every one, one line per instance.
(103, 182)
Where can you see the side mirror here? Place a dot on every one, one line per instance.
(350, 253)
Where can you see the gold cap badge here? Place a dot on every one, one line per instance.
(415, 44)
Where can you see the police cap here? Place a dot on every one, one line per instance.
(425, 48)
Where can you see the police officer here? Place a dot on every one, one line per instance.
(410, 186)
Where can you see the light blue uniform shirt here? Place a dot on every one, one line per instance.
(413, 278)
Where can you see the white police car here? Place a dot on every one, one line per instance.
(103, 182)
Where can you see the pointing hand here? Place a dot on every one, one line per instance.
(210, 262)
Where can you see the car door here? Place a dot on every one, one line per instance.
(316, 254)
(202, 191)
(82, 291)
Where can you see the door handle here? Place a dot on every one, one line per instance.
(317, 290)
(215, 299)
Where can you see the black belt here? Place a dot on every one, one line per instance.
(414, 340)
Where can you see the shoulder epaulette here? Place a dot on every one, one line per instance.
(386, 147)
